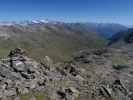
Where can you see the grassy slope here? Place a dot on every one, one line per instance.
(56, 41)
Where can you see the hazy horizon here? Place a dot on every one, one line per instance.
(99, 11)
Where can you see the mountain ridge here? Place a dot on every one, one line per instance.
(55, 39)
(104, 29)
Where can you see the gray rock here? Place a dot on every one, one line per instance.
(19, 66)
(10, 92)
(25, 75)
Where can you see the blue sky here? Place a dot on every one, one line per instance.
(115, 11)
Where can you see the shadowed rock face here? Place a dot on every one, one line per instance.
(122, 38)
(91, 75)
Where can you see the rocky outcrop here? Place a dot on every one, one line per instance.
(21, 75)
(89, 76)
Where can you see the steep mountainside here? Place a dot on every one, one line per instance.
(122, 38)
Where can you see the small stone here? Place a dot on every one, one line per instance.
(25, 75)
(47, 63)
(23, 90)
(62, 95)
(32, 98)
(74, 92)
(17, 98)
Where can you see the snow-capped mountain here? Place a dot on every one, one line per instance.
(7, 23)
(103, 29)
(27, 22)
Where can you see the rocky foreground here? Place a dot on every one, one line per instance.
(102, 74)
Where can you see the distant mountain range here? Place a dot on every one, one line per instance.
(53, 38)
(104, 29)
